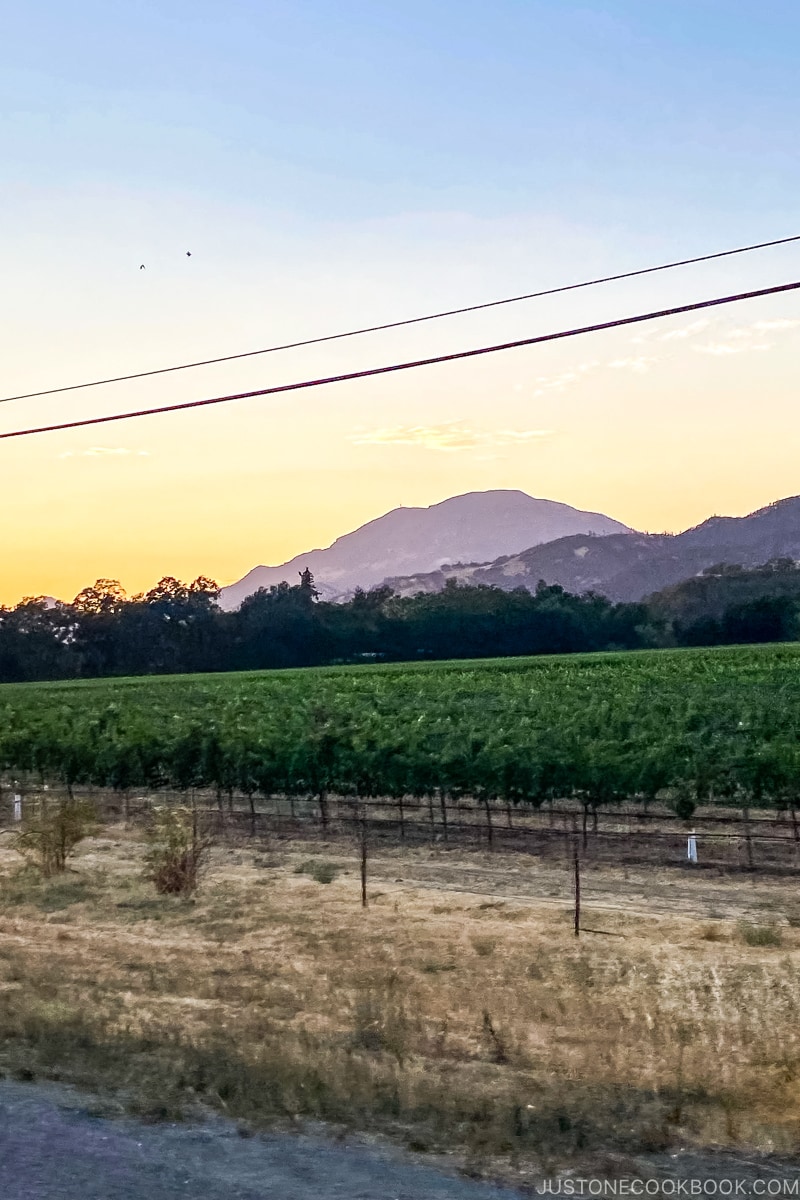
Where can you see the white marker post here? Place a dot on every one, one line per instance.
(691, 847)
(17, 807)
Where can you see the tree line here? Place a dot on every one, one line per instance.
(179, 628)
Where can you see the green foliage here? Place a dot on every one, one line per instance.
(321, 872)
(760, 935)
(700, 725)
(176, 853)
(48, 838)
(684, 807)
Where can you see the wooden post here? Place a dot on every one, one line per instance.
(795, 829)
(430, 813)
(577, 866)
(401, 811)
(363, 861)
(323, 809)
(443, 806)
(576, 871)
(489, 830)
(748, 841)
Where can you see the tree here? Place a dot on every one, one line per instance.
(106, 597)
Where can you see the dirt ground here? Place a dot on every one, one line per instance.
(682, 892)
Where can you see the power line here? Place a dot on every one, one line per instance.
(407, 366)
(453, 312)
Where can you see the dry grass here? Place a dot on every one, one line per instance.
(477, 1026)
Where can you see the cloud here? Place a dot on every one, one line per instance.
(520, 435)
(557, 383)
(105, 452)
(640, 365)
(720, 349)
(687, 331)
(449, 437)
(748, 337)
(778, 325)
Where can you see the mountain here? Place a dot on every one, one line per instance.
(474, 528)
(630, 566)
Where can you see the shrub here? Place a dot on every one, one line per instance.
(320, 872)
(177, 851)
(48, 839)
(712, 933)
(760, 935)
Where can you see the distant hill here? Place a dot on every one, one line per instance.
(709, 595)
(474, 528)
(630, 566)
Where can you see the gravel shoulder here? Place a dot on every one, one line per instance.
(54, 1147)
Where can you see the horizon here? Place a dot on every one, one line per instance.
(286, 171)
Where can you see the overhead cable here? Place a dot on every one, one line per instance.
(406, 366)
(452, 312)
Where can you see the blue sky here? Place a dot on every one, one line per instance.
(606, 112)
(335, 163)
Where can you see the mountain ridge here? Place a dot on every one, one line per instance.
(474, 527)
(631, 566)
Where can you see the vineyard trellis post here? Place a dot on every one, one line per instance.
(748, 839)
(443, 806)
(363, 839)
(489, 829)
(576, 870)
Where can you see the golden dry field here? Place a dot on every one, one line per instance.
(457, 1013)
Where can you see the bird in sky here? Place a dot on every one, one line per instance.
(188, 254)
(141, 267)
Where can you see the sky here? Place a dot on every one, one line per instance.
(336, 163)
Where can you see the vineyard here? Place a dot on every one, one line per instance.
(673, 729)
(450, 903)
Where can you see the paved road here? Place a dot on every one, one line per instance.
(52, 1148)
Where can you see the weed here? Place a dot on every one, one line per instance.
(47, 894)
(712, 933)
(49, 838)
(498, 1049)
(380, 1019)
(484, 946)
(319, 871)
(177, 851)
(760, 935)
